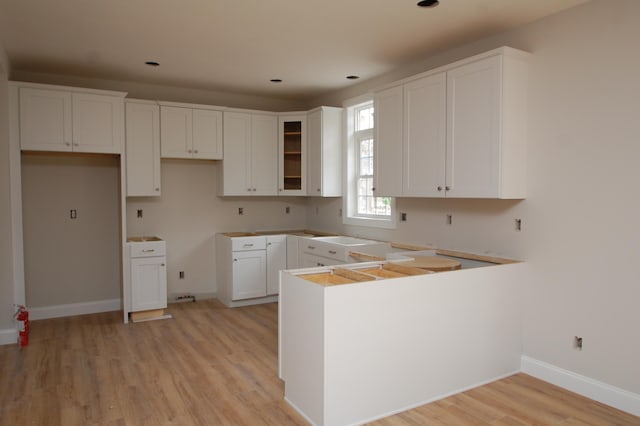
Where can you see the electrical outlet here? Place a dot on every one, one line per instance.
(403, 217)
(287, 210)
(339, 212)
(240, 211)
(518, 224)
(139, 214)
(317, 210)
(577, 342)
(181, 275)
(449, 219)
(73, 214)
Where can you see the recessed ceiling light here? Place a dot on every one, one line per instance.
(276, 80)
(353, 77)
(428, 3)
(153, 63)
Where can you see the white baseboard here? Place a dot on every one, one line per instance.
(8, 336)
(57, 311)
(585, 386)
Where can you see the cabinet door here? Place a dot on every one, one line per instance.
(324, 148)
(276, 261)
(424, 145)
(249, 274)
(473, 129)
(292, 149)
(264, 154)
(98, 123)
(148, 283)
(207, 134)
(45, 120)
(176, 127)
(143, 149)
(237, 154)
(388, 142)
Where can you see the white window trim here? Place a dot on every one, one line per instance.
(349, 201)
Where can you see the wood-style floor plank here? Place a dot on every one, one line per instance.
(211, 365)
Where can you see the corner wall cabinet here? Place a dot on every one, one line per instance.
(142, 145)
(463, 129)
(54, 119)
(292, 149)
(324, 143)
(188, 132)
(250, 166)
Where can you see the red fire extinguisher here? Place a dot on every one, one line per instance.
(23, 334)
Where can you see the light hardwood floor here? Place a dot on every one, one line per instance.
(211, 365)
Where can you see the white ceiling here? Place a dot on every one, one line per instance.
(239, 45)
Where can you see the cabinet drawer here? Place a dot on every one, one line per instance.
(318, 248)
(148, 249)
(248, 243)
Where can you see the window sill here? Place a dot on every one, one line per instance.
(370, 222)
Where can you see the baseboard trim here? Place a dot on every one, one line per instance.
(8, 336)
(585, 386)
(72, 309)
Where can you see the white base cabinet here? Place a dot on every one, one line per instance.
(148, 275)
(248, 268)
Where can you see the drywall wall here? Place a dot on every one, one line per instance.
(67, 260)
(580, 219)
(6, 251)
(139, 90)
(189, 213)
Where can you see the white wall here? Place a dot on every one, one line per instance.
(71, 260)
(580, 220)
(6, 252)
(189, 213)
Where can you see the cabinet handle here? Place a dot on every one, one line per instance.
(254, 190)
(195, 151)
(189, 151)
(332, 251)
(157, 189)
(75, 144)
(249, 189)
(311, 247)
(148, 250)
(248, 245)
(235, 260)
(318, 189)
(67, 143)
(439, 188)
(320, 264)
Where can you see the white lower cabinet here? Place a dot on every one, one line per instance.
(276, 261)
(249, 274)
(248, 267)
(147, 262)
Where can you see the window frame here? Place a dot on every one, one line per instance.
(350, 199)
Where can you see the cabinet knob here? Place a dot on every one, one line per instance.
(254, 190)
(162, 264)
(373, 189)
(439, 188)
(235, 260)
(76, 144)
(446, 188)
(195, 151)
(157, 189)
(67, 143)
(249, 189)
(189, 151)
(318, 190)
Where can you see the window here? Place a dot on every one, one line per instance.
(362, 207)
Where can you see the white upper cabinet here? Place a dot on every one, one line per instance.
(424, 141)
(463, 130)
(187, 132)
(59, 120)
(324, 143)
(250, 166)
(487, 127)
(142, 148)
(388, 121)
(292, 149)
